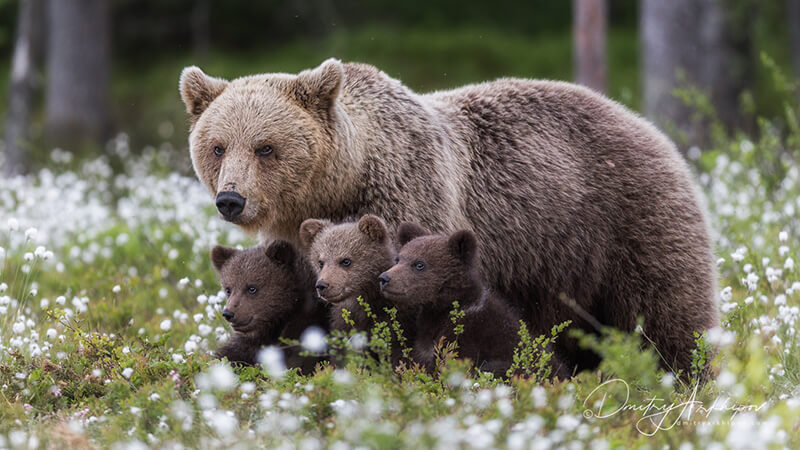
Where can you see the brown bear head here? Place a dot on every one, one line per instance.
(433, 269)
(261, 286)
(348, 256)
(259, 142)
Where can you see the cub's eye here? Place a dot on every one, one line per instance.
(251, 289)
(419, 265)
(227, 291)
(264, 151)
(219, 151)
(397, 260)
(345, 262)
(321, 264)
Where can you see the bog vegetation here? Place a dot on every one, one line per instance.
(109, 309)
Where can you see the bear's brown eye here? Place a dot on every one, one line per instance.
(345, 262)
(321, 264)
(227, 291)
(397, 260)
(264, 151)
(419, 265)
(218, 150)
(252, 289)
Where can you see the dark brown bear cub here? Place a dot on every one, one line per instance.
(270, 294)
(349, 257)
(432, 272)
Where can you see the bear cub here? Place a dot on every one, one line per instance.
(348, 258)
(270, 295)
(431, 273)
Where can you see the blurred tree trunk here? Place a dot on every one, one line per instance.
(793, 10)
(25, 81)
(703, 43)
(201, 27)
(589, 42)
(79, 64)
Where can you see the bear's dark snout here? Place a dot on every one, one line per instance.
(228, 315)
(384, 279)
(321, 286)
(230, 204)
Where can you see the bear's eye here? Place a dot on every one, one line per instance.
(397, 260)
(252, 289)
(345, 262)
(219, 151)
(264, 151)
(419, 265)
(227, 291)
(321, 264)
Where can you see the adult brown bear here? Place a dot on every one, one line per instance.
(571, 195)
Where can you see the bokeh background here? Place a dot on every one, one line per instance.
(77, 72)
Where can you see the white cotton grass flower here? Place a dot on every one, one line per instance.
(271, 358)
(30, 234)
(190, 346)
(177, 358)
(738, 255)
(12, 224)
(313, 339)
(726, 294)
(165, 325)
(116, 289)
(127, 372)
(783, 236)
(222, 377)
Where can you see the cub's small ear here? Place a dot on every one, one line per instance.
(198, 90)
(463, 245)
(408, 231)
(374, 228)
(220, 255)
(318, 88)
(309, 230)
(281, 252)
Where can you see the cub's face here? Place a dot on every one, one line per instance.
(259, 283)
(430, 267)
(348, 257)
(257, 142)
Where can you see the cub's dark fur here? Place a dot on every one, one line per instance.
(270, 293)
(432, 272)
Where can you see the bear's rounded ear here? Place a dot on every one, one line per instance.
(318, 88)
(309, 230)
(463, 245)
(408, 231)
(220, 255)
(198, 90)
(281, 252)
(374, 228)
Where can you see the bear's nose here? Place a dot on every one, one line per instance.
(321, 286)
(228, 315)
(384, 279)
(230, 204)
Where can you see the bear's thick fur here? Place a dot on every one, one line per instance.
(583, 210)
(431, 273)
(269, 295)
(349, 257)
